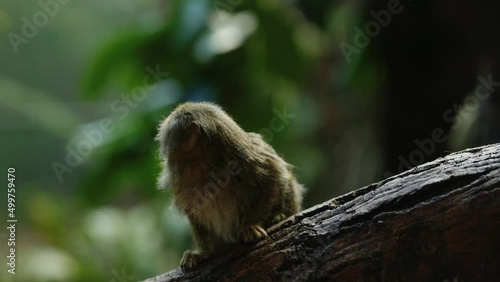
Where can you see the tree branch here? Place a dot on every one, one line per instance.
(436, 222)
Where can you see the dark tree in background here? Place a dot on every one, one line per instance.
(435, 51)
(432, 58)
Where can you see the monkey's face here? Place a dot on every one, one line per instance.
(177, 136)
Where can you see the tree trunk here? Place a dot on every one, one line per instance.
(439, 221)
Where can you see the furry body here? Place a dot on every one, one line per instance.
(230, 183)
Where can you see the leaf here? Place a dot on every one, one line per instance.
(117, 58)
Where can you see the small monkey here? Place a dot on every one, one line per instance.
(230, 184)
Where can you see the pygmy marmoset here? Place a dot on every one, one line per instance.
(230, 184)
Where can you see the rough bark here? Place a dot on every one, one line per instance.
(439, 221)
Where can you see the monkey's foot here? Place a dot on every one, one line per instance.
(191, 259)
(277, 218)
(252, 233)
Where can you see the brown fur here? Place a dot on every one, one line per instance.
(230, 183)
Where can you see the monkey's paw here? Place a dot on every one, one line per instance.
(252, 233)
(191, 259)
(277, 218)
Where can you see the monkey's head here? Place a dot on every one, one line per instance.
(197, 131)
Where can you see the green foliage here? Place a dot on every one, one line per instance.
(107, 217)
(118, 60)
(261, 72)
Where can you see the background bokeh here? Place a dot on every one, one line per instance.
(349, 92)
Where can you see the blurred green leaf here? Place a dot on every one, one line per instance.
(49, 113)
(118, 59)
